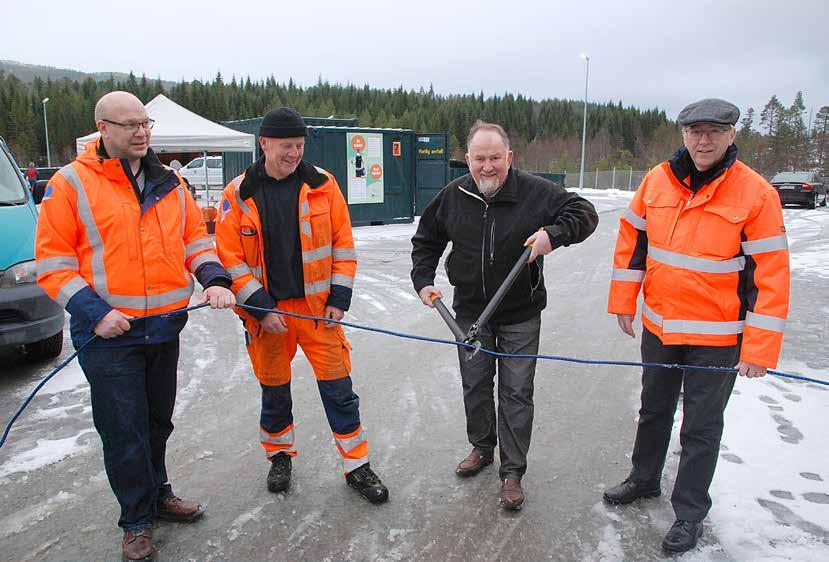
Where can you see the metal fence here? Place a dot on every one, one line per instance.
(626, 179)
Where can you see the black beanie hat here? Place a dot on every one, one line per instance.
(282, 122)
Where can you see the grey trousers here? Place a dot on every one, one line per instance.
(515, 392)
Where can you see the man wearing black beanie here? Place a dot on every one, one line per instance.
(285, 236)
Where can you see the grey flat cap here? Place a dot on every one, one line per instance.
(709, 110)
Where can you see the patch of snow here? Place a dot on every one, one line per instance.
(46, 452)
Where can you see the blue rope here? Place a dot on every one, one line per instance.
(404, 336)
(68, 360)
(524, 356)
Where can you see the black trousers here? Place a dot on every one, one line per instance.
(705, 397)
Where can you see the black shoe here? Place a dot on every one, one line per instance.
(682, 536)
(279, 476)
(629, 491)
(368, 484)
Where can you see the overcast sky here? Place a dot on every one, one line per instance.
(644, 53)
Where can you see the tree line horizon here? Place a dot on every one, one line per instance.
(545, 134)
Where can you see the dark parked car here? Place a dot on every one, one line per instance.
(800, 188)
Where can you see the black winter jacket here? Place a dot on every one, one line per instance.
(487, 239)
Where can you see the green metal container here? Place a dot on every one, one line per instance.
(386, 175)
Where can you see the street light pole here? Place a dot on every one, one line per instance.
(46, 126)
(584, 126)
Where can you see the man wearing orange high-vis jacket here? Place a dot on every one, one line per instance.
(120, 238)
(704, 240)
(285, 236)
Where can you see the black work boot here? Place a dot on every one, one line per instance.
(629, 491)
(279, 476)
(682, 536)
(368, 484)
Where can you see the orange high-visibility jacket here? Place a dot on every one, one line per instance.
(712, 264)
(99, 248)
(329, 260)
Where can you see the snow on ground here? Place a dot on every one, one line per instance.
(771, 490)
(808, 248)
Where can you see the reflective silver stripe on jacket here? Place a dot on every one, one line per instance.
(153, 301)
(197, 246)
(181, 198)
(305, 227)
(257, 272)
(318, 287)
(242, 205)
(696, 264)
(344, 280)
(702, 327)
(48, 265)
(99, 277)
(771, 244)
(69, 289)
(202, 259)
(247, 290)
(316, 254)
(649, 313)
(628, 275)
(303, 209)
(238, 271)
(771, 323)
(638, 222)
(342, 254)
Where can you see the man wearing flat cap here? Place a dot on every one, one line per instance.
(284, 234)
(704, 239)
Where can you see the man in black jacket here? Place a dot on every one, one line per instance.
(490, 215)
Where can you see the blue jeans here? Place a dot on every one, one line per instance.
(133, 392)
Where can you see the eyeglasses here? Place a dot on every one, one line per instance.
(713, 134)
(133, 127)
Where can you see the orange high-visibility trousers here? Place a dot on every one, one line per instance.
(328, 352)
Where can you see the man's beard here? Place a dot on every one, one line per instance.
(488, 186)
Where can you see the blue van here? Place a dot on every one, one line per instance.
(28, 317)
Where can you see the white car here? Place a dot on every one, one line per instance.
(194, 171)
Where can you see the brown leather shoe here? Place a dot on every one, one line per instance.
(179, 510)
(512, 496)
(474, 462)
(138, 545)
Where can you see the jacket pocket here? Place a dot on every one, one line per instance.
(320, 220)
(250, 244)
(719, 232)
(660, 216)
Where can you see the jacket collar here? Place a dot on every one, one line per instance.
(507, 194)
(95, 156)
(255, 175)
(682, 167)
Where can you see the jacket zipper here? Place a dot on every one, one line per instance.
(492, 244)
(483, 251)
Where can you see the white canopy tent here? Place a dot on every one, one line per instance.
(180, 130)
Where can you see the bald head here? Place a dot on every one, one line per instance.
(117, 116)
(114, 104)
